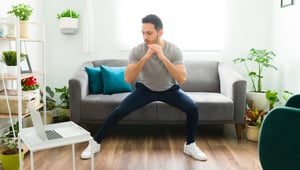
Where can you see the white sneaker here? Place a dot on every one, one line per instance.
(193, 150)
(86, 154)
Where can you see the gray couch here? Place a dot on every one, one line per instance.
(217, 89)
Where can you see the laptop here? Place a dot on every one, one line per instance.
(39, 126)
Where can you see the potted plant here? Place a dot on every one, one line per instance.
(272, 97)
(10, 59)
(23, 12)
(50, 101)
(9, 154)
(68, 21)
(261, 60)
(254, 118)
(30, 84)
(63, 109)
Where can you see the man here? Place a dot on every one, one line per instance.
(159, 66)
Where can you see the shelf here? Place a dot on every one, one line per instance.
(18, 101)
(22, 39)
(15, 116)
(23, 75)
(6, 115)
(13, 95)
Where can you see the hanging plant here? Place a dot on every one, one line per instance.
(68, 21)
(68, 13)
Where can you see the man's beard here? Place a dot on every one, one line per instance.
(155, 41)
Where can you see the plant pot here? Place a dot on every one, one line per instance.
(31, 91)
(257, 100)
(12, 70)
(252, 133)
(68, 25)
(24, 29)
(10, 161)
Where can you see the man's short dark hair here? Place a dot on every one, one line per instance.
(153, 19)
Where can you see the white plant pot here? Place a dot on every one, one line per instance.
(68, 25)
(12, 70)
(258, 100)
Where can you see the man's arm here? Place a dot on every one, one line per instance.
(177, 71)
(133, 69)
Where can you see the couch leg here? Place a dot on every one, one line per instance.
(239, 130)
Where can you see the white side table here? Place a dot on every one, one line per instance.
(71, 132)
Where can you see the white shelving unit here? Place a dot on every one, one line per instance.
(15, 43)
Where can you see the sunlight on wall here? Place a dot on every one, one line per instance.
(194, 25)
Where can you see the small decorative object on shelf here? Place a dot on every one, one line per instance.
(10, 59)
(68, 21)
(23, 12)
(30, 84)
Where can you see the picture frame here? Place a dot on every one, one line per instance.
(285, 3)
(25, 65)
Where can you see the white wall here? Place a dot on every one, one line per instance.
(65, 52)
(286, 40)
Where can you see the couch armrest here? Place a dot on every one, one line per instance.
(233, 85)
(78, 89)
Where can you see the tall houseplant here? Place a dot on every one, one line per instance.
(23, 12)
(261, 59)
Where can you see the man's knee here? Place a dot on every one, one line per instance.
(192, 109)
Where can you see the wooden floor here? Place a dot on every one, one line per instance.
(150, 147)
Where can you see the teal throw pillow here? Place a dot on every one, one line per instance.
(113, 80)
(95, 80)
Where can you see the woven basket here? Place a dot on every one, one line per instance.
(27, 100)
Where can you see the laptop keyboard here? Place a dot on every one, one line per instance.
(52, 134)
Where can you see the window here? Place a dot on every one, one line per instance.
(193, 25)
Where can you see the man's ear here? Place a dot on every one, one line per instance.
(160, 33)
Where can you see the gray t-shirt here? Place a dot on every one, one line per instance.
(154, 74)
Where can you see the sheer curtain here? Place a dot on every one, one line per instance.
(194, 25)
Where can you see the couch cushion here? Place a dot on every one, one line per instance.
(97, 108)
(95, 80)
(201, 76)
(221, 105)
(113, 80)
